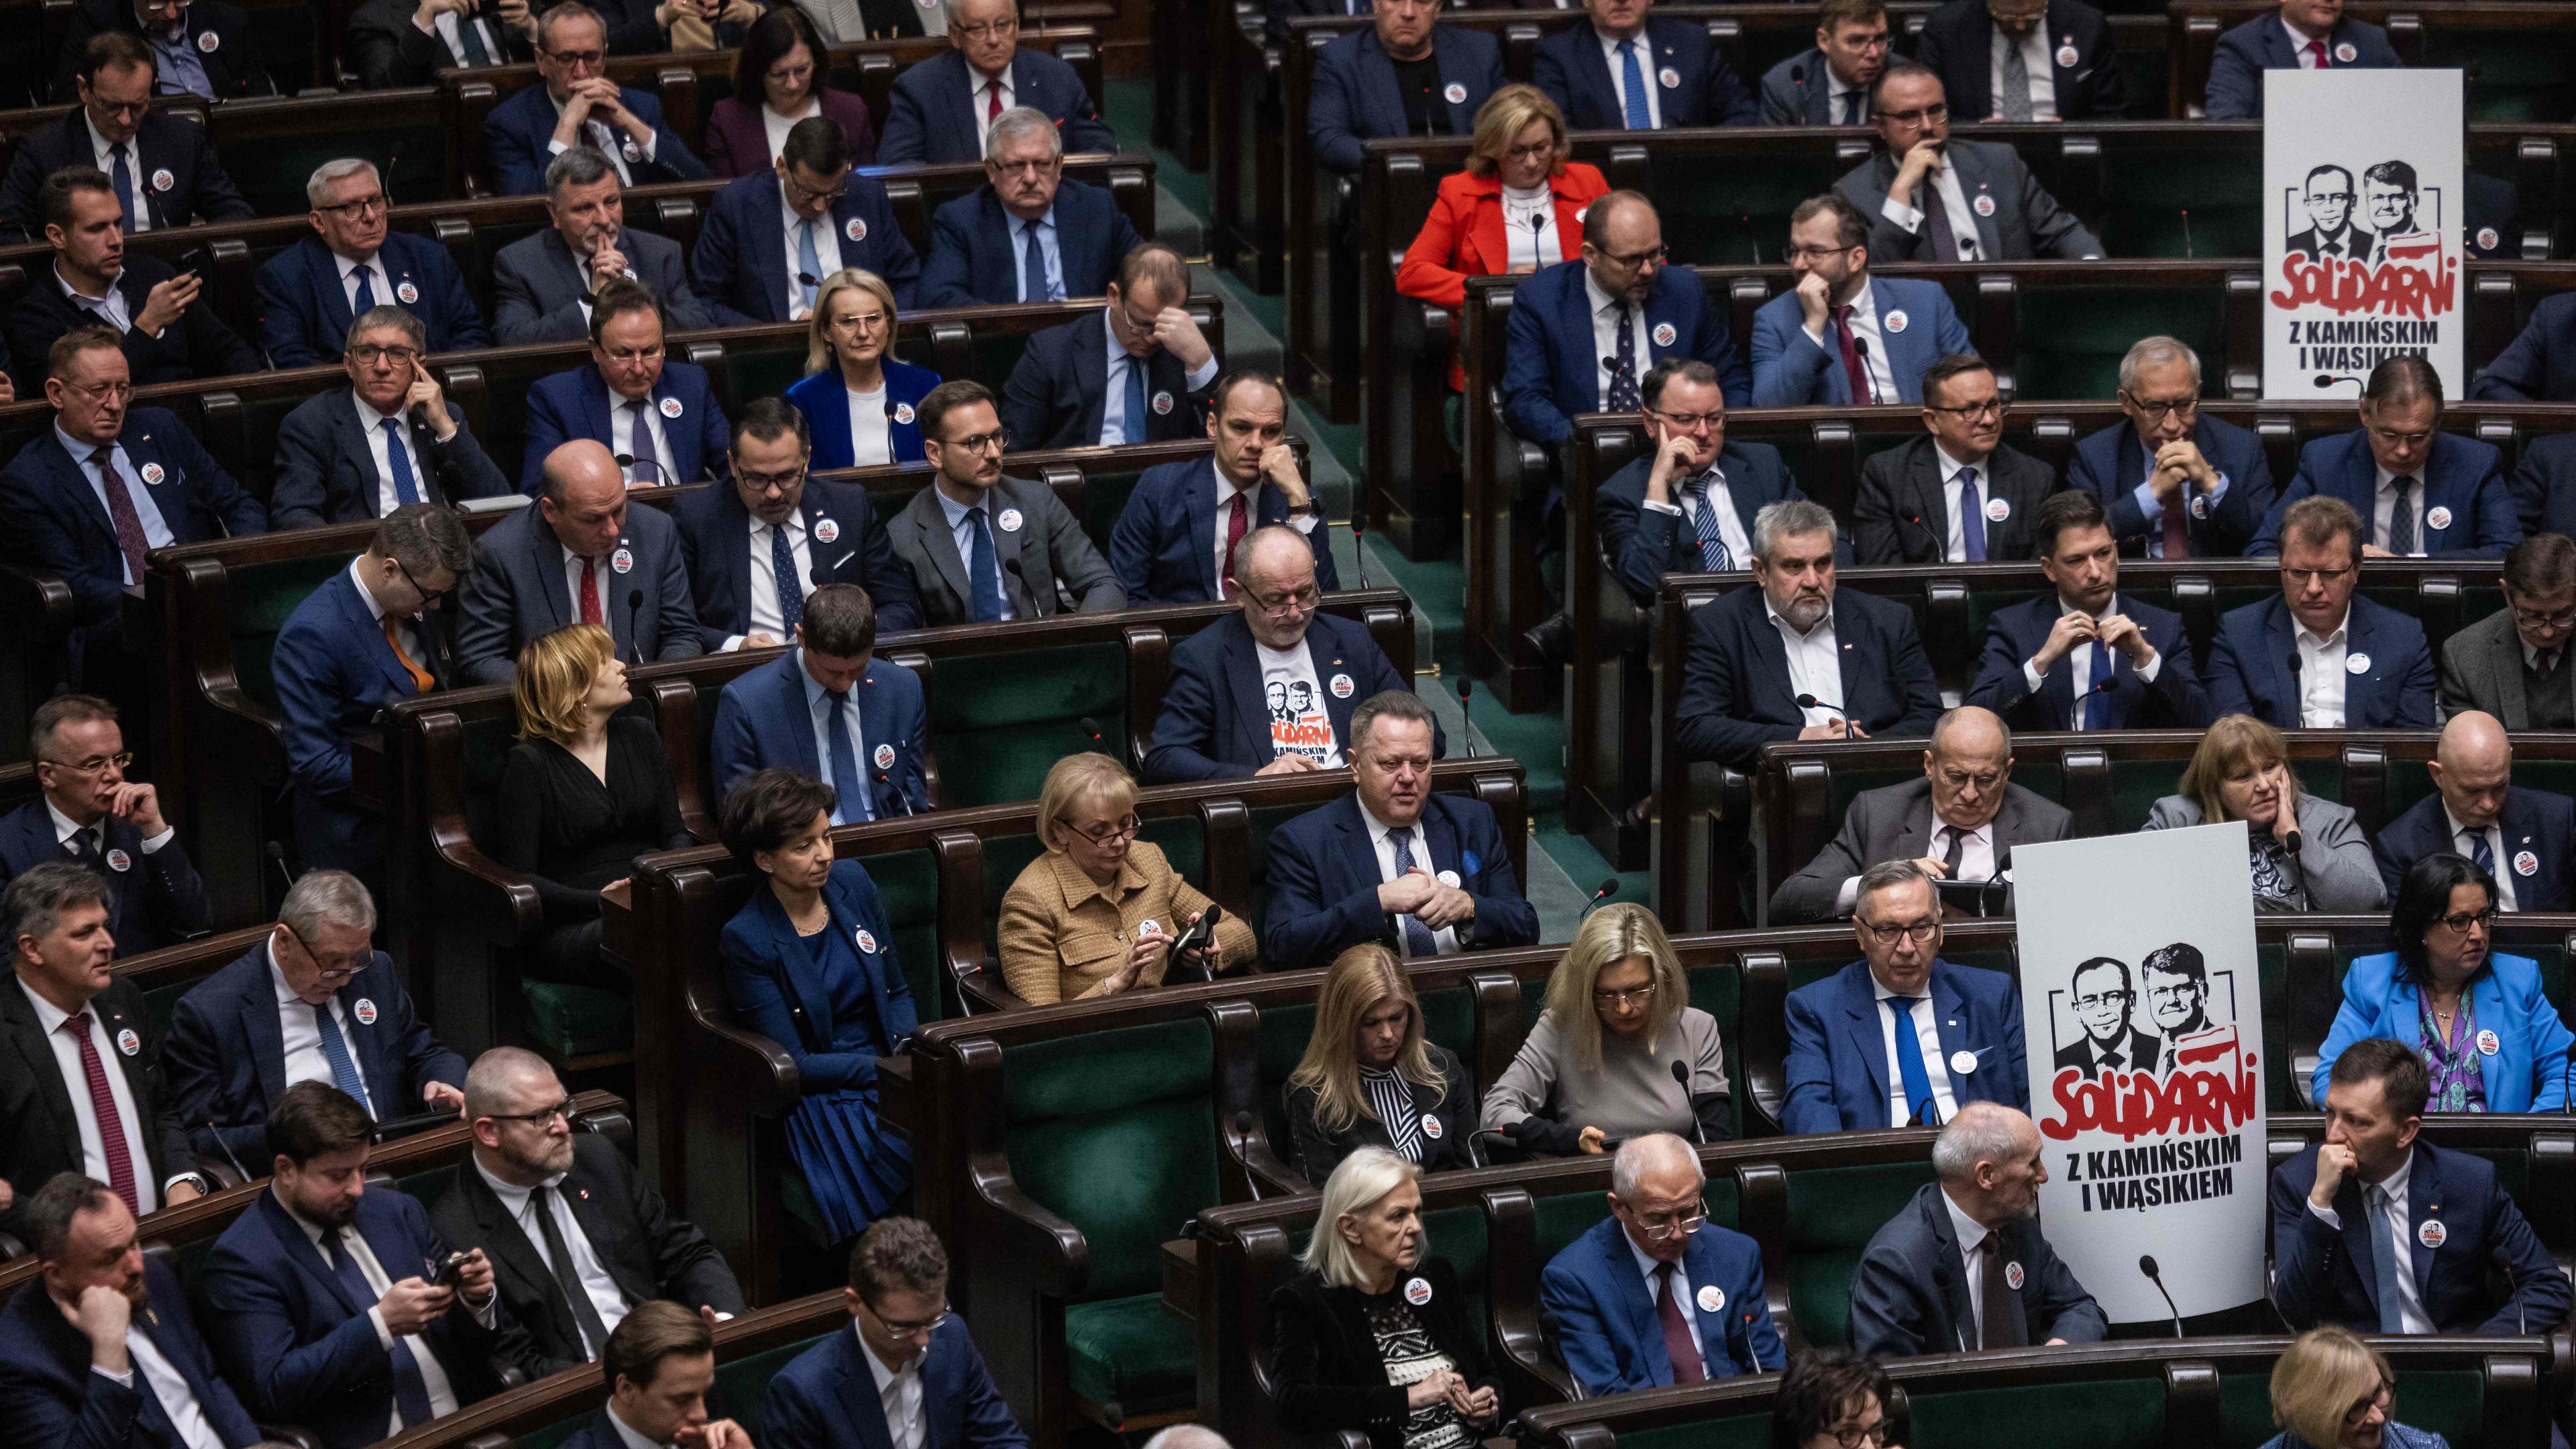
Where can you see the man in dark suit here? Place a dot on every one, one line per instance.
(831, 709)
(2332, 234)
(1861, 1057)
(577, 107)
(2104, 1001)
(2202, 485)
(1961, 494)
(2422, 492)
(1689, 507)
(810, 216)
(940, 108)
(1990, 207)
(578, 555)
(90, 812)
(390, 438)
(777, 523)
(311, 292)
(315, 1002)
(2513, 663)
(1392, 862)
(658, 418)
(578, 1237)
(660, 1364)
(2544, 485)
(2081, 657)
(2540, 364)
(543, 286)
(1627, 70)
(1136, 371)
(1841, 334)
(1652, 1295)
(204, 48)
(115, 130)
(319, 1330)
(1405, 76)
(2024, 60)
(1174, 542)
(1792, 660)
(102, 1351)
(1831, 86)
(2305, 35)
(1269, 691)
(983, 547)
(1026, 234)
(1911, 1292)
(164, 334)
(2341, 1208)
(2524, 839)
(368, 637)
(391, 43)
(2317, 657)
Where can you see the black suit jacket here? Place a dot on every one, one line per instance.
(199, 189)
(1448, 1110)
(233, 66)
(159, 899)
(1054, 396)
(1957, 41)
(1910, 1293)
(1735, 677)
(198, 345)
(2137, 1055)
(44, 1135)
(2536, 824)
(1900, 516)
(387, 50)
(1327, 1371)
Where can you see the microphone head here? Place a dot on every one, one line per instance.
(1608, 889)
(1860, 344)
(624, 460)
(1243, 1123)
(2296, 842)
(1089, 726)
(1806, 701)
(1466, 690)
(634, 598)
(2147, 1264)
(1681, 1073)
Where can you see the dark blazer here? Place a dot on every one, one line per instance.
(1041, 561)
(741, 257)
(2245, 52)
(45, 1135)
(333, 672)
(2463, 509)
(49, 1392)
(2482, 669)
(1327, 1371)
(51, 517)
(1901, 515)
(826, 1397)
(2027, 221)
(825, 402)
(231, 61)
(1642, 544)
(2538, 824)
(517, 592)
(715, 544)
(2544, 485)
(2015, 634)
(1324, 879)
(387, 50)
(2540, 364)
(650, 1251)
(1444, 1118)
(1163, 547)
(1735, 676)
(1791, 370)
(1799, 91)
(158, 899)
(573, 405)
(537, 291)
(931, 116)
(762, 720)
(2324, 1275)
(1895, 822)
(196, 346)
(1552, 371)
(518, 132)
(326, 466)
(1837, 1062)
(1056, 393)
(737, 139)
(1957, 41)
(304, 311)
(1910, 1293)
(774, 987)
(198, 190)
(226, 1061)
(1598, 1312)
(1355, 97)
(970, 247)
(1215, 723)
(2249, 668)
(1696, 87)
(2112, 465)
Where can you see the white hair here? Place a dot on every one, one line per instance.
(1020, 121)
(2156, 352)
(318, 185)
(1188, 1436)
(1641, 1155)
(1788, 518)
(1982, 1132)
(1362, 1178)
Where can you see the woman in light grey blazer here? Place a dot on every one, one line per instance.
(2242, 772)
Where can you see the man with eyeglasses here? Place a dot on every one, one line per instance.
(1136, 371)
(771, 238)
(90, 811)
(2105, 1004)
(2301, 35)
(2331, 234)
(544, 286)
(315, 1002)
(1960, 494)
(202, 48)
(392, 43)
(2525, 840)
(940, 109)
(2424, 493)
(1842, 336)
(1406, 75)
(1629, 71)
(1174, 542)
(355, 262)
(2173, 983)
(1688, 507)
(984, 547)
(2175, 482)
(115, 129)
(2081, 657)
(829, 709)
(390, 438)
(165, 334)
(1931, 198)
(1831, 86)
(2513, 663)
(1028, 234)
(2025, 60)
(659, 417)
(579, 107)
(1710, 1318)
(2317, 657)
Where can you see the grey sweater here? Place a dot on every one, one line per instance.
(1632, 1093)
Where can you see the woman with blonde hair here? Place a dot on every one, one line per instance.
(858, 401)
(1098, 913)
(2331, 1390)
(2303, 853)
(1618, 1017)
(1371, 1079)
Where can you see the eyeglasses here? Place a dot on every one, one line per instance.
(839, 189)
(1124, 828)
(1854, 1437)
(1919, 932)
(989, 30)
(2157, 412)
(1659, 1226)
(2403, 440)
(363, 206)
(908, 1330)
(334, 968)
(1539, 151)
(1037, 167)
(577, 59)
(2304, 577)
(2179, 991)
(1812, 255)
(428, 595)
(123, 110)
(996, 441)
(96, 764)
(2101, 999)
(633, 356)
(1652, 256)
(2460, 922)
(791, 75)
(2532, 619)
(368, 354)
(1634, 995)
(1930, 115)
(769, 482)
(1292, 602)
(1984, 780)
(860, 321)
(542, 1117)
(1690, 422)
(2361, 1408)
(1967, 412)
(103, 391)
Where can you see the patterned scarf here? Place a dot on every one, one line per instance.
(2458, 1083)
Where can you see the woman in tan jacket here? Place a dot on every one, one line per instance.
(1097, 914)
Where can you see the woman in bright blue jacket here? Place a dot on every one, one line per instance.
(857, 399)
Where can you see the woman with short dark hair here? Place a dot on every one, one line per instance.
(1831, 1399)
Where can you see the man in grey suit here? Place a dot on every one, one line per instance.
(1990, 208)
(985, 548)
(542, 284)
(2513, 663)
(1830, 85)
(578, 555)
(389, 438)
(1960, 822)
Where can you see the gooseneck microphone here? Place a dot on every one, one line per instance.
(1608, 889)
(1681, 1078)
(627, 462)
(247, 1176)
(1809, 701)
(1466, 725)
(1359, 542)
(1243, 1130)
(2147, 1265)
(1090, 728)
(886, 787)
(634, 612)
(1860, 348)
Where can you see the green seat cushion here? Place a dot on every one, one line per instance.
(1000, 721)
(1131, 1352)
(1738, 1430)
(908, 887)
(2451, 1403)
(1112, 1130)
(1833, 1213)
(566, 1021)
(2120, 1414)
(742, 1386)
(259, 599)
(2073, 337)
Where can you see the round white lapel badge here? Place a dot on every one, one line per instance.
(1010, 520)
(1963, 1062)
(406, 291)
(364, 1011)
(1712, 1299)
(1998, 509)
(2200, 505)
(623, 561)
(1417, 1291)
(2432, 1234)
(127, 1042)
(633, 151)
(118, 860)
(1664, 334)
(1151, 927)
(1895, 321)
(2438, 518)
(162, 180)
(2356, 664)
(1455, 94)
(1581, 212)
(884, 756)
(2346, 53)
(1448, 878)
(1671, 78)
(2488, 1045)
(152, 474)
(2487, 239)
(1342, 686)
(827, 529)
(2525, 863)
(1984, 205)
(856, 229)
(903, 413)
(2013, 1276)
(208, 41)
(867, 941)
(2068, 55)
(1431, 1125)
(1163, 404)
(671, 407)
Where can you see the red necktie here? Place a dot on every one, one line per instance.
(1233, 536)
(590, 592)
(102, 1101)
(2317, 48)
(1678, 1347)
(121, 514)
(1852, 366)
(993, 102)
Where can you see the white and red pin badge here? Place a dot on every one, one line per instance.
(2346, 53)
(406, 291)
(1712, 1299)
(1417, 1291)
(1671, 78)
(1431, 1127)
(162, 180)
(1151, 927)
(1998, 509)
(827, 529)
(1163, 403)
(2525, 863)
(1343, 687)
(884, 756)
(2432, 1234)
(2488, 1045)
(623, 561)
(903, 413)
(2200, 505)
(127, 1042)
(1448, 878)
(2067, 54)
(1984, 205)
(2356, 663)
(118, 860)
(1010, 520)
(152, 474)
(364, 1011)
(1455, 94)
(2487, 239)
(671, 407)
(208, 40)
(1895, 320)
(2439, 517)
(1581, 212)
(2013, 1276)
(1963, 1062)
(867, 941)
(1664, 334)
(856, 229)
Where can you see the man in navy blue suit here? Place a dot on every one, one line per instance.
(1174, 542)
(342, 1311)
(1842, 334)
(1629, 71)
(809, 216)
(2176, 483)
(315, 1002)
(2540, 363)
(1830, 85)
(1865, 1049)
(1656, 1295)
(116, 129)
(311, 292)
(88, 811)
(1136, 371)
(660, 1363)
(2380, 1232)
(102, 1351)
(778, 522)
(2524, 839)
(658, 417)
(1755, 654)
(900, 1323)
(1405, 76)
(831, 709)
(940, 108)
(2081, 657)
(1688, 507)
(2317, 657)
(2024, 60)
(206, 48)
(2305, 35)
(578, 105)
(389, 438)
(1027, 234)
(2422, 492)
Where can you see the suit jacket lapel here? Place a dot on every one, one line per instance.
(2359, 1238)
(324, 264)
(1868, 1035)
(1322, 649)
(1022, 584)
(859, 1399)
(2423, 1204)
(266, 1034)
(1592, 68)
(931, 517)
(1914, 833)
(1574, 326)
(1241, 661)
(1091, 376)
(354, 609)
(1954, 1282)
(786, 679)
(1378, 87)
(548, 552)
(596, 409)
(1359, 852)
(75, 485)
(1946, 1011)
(42, 1068)
(1198, 517)
(1989, 237)
(765, 233)
(504, 1237)
(2356, 687)
(300, 1250)
(2504, 657)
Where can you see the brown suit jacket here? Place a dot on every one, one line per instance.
(1062, 935)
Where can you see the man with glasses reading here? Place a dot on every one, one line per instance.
(88, 810)
(2317, 657)
(2424, 493)
(2513, 663)
(2525, 840)
(1934, 199)
(773, 236)
(1959, 495)
(1842, 336)
(658, 417)
(115, 129)
(389, 438)
(984, 547)
(1688, 507)
(1136, 371)
(940, 108)
(1174, 542)
(1027, 234)
(579, 106)
(353, 263)
(2176, 482)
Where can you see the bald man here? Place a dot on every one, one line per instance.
(2526, 839)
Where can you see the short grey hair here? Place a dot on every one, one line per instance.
(1641, 1155)
(1982, 1132)
(1018, 121)
(1786, 519)
(2156, 352)
(318, 185)
(385, 314)
(35, 902)
(1401, 704)
(581, 165)
(1250, 544)
(1362, 1178)
(327, 897)
(555, 15)
(1886, 875)
(494, 1073)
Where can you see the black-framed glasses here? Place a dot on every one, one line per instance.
(578, 59)
(2461, 921)
(2397, 439)
(334, 968)
(2159, 410)
(428, 595)
(363, 206)
(1812, 255)
(1919, 932)
(1691, 422)
(368, 354)
(1282, 605)
(2555, 619)
(2304, 577)
(1655, 255)
(1932, 114)
(2378, 1398)
(1964, 412)
(839, 189)
(542, 1117)
(2114, 1000)
(1123, 828)
(1857, 1435)
(769, 482)
(996, 441)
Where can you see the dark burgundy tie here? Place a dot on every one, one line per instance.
(102, 1101)
(1678, 1347)
(121, 513)
(1853, 369)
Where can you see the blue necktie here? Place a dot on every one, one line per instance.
(469, 35)
(1418, 940)
(791, 589)
(1624, 396)
(2100, 665)
(2374, 1200)
(1972, 517)
(344, 1067)
(1034, 286)
(2479, 852)
(398, 458)
(123, 176)
(1133, 428)
(853, 787)
(810, 258)
(366, 292)
(410, 1394)
(1632, 79)
(981, 576)
(1851, 108)
(1713, 554)
(1909, 1063)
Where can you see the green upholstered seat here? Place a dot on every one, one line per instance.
(773, 364)
(2213, 183)
(1104, 497)
(2518, 75)
(259, 597)
(2119, 1414)
(1983, 604)
(1127, 1351)
(2136, 786)
(1833, 1213)
(1732, 212)
(1719, 991)
(1741, 1430)
(553, 1434)
(566, 1021)
(1000, 721)
(907, 884)
(271, 169)
(2074, 334)
(2449, 1402)
(997, 351)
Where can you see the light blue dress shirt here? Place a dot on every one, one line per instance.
(964, 534)
(1047, 249)
(156, 529)
(818, 707)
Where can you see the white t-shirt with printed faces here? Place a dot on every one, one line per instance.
(1299, 722)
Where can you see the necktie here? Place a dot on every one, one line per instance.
(1687, 1367)
(2401, 519)
(1234, 527)
(123, 176)
(590, 613)
(1133, 426)
(594, 1331)
(344, 1067)
(469, 37)
(102, 1103)
(1713, 554)
(2098, 674)
(1632, 79)
(366, 297)
(1624, 397)
(853, 787)
(2177, 523)
(2479, 851)
(421, 680)
(1972, 517)
(1936, 220)
(981, 576)
(1855, 372)
(809, 257)
(2545, 664)
(1851, 107)
(398, 460)
(1910, 1072)
(1957, 852)
(1033, 272)
(2317, 53)
(2014, 82)
(648, 459)
(84, 847)
(2004, 1325)
(411, 1396)
(121, 514)
(791, 588)
(2376, 1203)
(1418, 940)
(993, 101)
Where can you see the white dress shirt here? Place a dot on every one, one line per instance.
(379, 286)
(433, 1374)
(2080, 660)
(2383, 507)
(1619, 77)
(1927, 1036)
(774, 128)
(108, 307)
(65, 829)
(827, 250)
(1865, 331)
(2034, 56)
(2390, 1213)
(67, 1057)
(766, 617)
(163, 1381)
(1115, 425)
(1954, 540)
(103, 155)
(899, 1395)
(1605, 335)
(596, 1285)
(372, 423)
(625, 415)
(610, 141)
(1681, 1290)
(1446, 938)
(1529, 228)
(1954, 205)
(300, 1037)
(963, 533)
(1972, 1236)
(871, 441)
(447, 25)
(2494, 834)
(2321, 674)
(1815, 663)
(626, 1434)
(979, 93)
(156, 529)
(1730, 519)
(2299, 43)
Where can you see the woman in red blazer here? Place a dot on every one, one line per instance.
(783, 76)
(1517, 207)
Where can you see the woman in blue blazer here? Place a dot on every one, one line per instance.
(858, 401)
(2486, 1030)
(809, 963)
